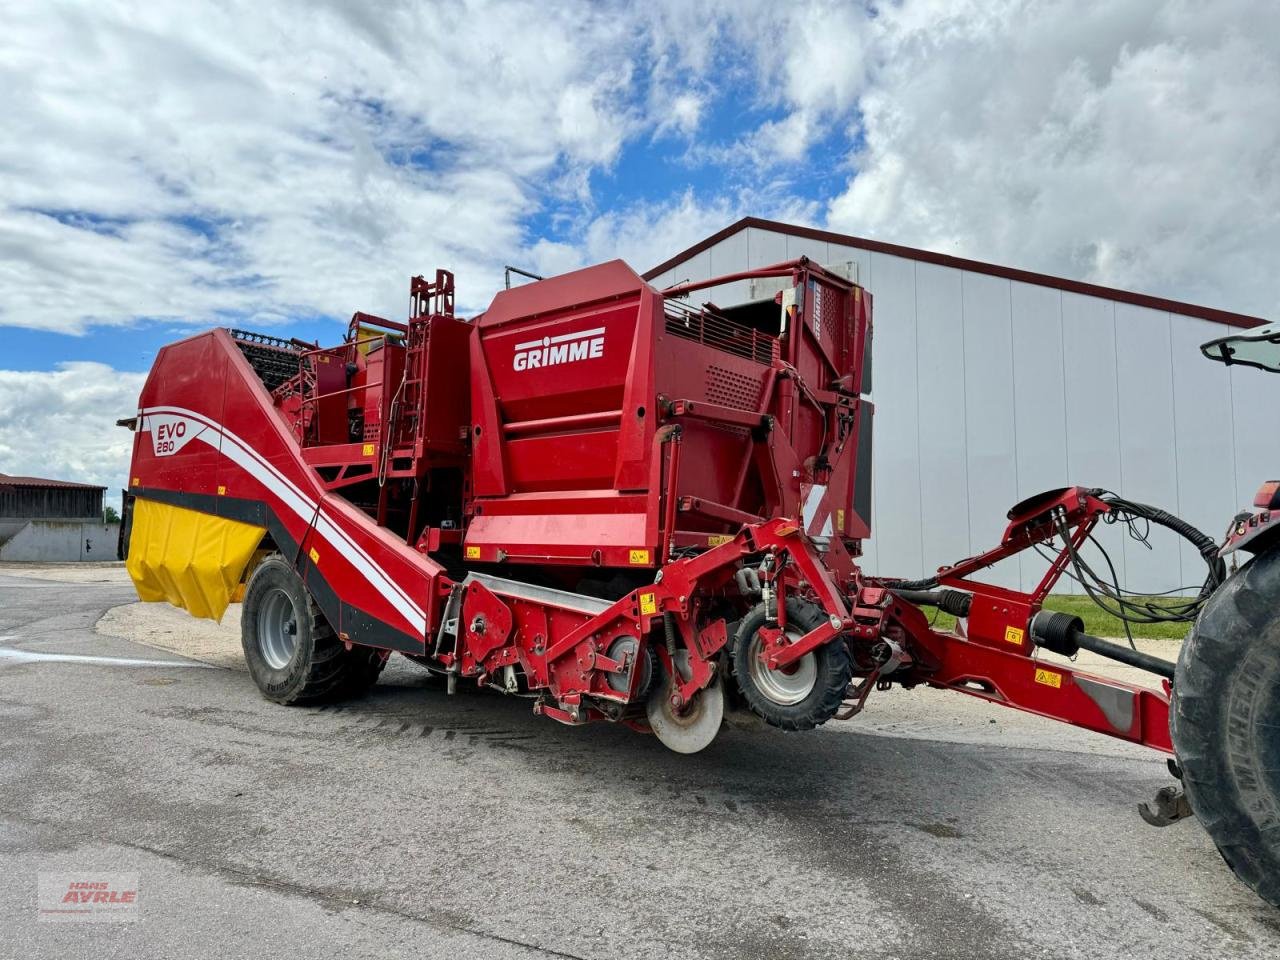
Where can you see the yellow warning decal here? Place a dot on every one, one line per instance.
(1014, 634)
(473, 553)
(135, 481)
(648, 603)
(839, 521)
(367, 451)
(222, 491)
(1049, 678)
(639, 557)
(314, 554)
(716, 539)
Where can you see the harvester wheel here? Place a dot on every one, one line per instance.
(1225, 722)
(798, 697)
(293, 654)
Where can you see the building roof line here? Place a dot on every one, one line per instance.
(961, 263)
(6, 480)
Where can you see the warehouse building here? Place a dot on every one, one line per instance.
(53, 521)
(992, 384)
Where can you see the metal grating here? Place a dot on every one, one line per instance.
(732, 389)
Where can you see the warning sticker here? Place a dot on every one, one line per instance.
(473, 553)
(1049, 678)
(839, 521)
(639, 557)
(716, 539)
(1014, 634)
(367, 450)
(314, 554)
(648, 603)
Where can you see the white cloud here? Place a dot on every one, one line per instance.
(1135, 145)
(61, 423)
(269, 159)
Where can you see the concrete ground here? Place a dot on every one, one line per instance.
(413, 823)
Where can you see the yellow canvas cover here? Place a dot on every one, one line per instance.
(191, 559)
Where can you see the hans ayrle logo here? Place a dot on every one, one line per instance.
(170, 433)
(567, 348)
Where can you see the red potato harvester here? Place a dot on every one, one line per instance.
(634, 508)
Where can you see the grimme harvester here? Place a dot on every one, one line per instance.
(631, 507)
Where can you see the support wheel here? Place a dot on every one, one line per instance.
(293, 654)
(1225, 722)
(692, 727)
(802, 695)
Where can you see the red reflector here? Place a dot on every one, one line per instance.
(1268, 495)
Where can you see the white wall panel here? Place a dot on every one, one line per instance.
(1039, 401)
(944, 486)
(1203, 419)
(728, 256)
(1093, 419)
(895, 489)
(991, 463)
(764, 247)
(663, 279)
(838, 255)
(1253, 406)
(697, 267)
(804, 247)
(1148, 452)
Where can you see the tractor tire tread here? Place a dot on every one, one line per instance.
(1237, 624)
(835, 670)
(332, 671)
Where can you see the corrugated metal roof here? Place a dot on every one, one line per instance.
(7, 480)
(946, 260)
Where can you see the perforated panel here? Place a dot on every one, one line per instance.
(732, 389)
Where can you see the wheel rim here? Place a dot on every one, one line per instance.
(694, 727)
(277, 629)
(787, 685)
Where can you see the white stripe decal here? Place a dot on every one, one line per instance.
(582, 334)
(811, 503)
(304, 507)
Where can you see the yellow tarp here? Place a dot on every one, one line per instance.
(191, 559)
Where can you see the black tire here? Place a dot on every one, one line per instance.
(833, 672)
(301, 661)
(1225, 722)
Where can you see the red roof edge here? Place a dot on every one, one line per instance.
(960, 263)
(9, 481)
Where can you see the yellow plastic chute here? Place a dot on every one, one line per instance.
(190, 559)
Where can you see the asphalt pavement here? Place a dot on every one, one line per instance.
(412, 823)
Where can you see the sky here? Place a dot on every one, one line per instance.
(167, 167)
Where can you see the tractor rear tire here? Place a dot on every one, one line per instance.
(292, 652)
(1225, 722)
(804, 697)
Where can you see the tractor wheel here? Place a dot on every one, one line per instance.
(293, 654)
(1225, 722)
(802, 695)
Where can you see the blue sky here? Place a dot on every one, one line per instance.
(168, 167)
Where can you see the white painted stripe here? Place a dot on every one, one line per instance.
(811, 503)
(304, 507)
(563, 338)
(30, 656)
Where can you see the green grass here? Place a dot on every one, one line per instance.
(1096, 621)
